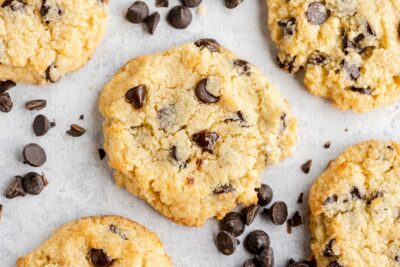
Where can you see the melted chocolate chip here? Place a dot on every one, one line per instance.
(212, 45)
(250, 213)
(34, 155)
(328, 251)
(6, 103)
(34, 183)
(327, 145)
(296, 220)
(317, 13)
(206, 140)
(99, 258)
(330, 200)
(203, 95)
(6, 85)
(136, 96)
(355, 193)
(361, 90)
(257, 241)
(370, 30)
(174, 155)
(223, 189)
(352, 70)
(46, 8)
(288, 26)
(15, 5)
(179, 17)
(137, 12)
(15, 188)
(232, 223)
(226, 243)
(152, 22)
(240, 118)
(374, 196)
(243, 66)
(264, 194)
(287, 64)
(317, 58)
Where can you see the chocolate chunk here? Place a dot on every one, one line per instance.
(352, 70)
(296, 220)
(137, 12)
(223, 189)
(38, 104)
(99, 258)
(82, 117)
(317, 13)
(136, 96)
(334, 264)
(174, 155)
(41, 125)
(226, 243)
(152, 22)
(203, 95)
(327, 145)
(361, 90)
(287, 64)
(76, 130)
(288, 26)
(330, 200)
(266, 258)
(45, 10)
(179, 17)
(328, 251)
(34, 183)
(306, 167)
(6, 85)
(232, 3)
(162, 3)
(232, 223)
(278, 212)
(317, 58)
(15, 5)
(34, 155)
(243, 66)
(118, 231)
(250, 213)
(355, 193)
(6, 103)
(206, 140)
(102, 153)
(191, 3)
(15, 188)
(256, 241)
(250, 263)
(264, 194)
(300, 198)
(211, 44)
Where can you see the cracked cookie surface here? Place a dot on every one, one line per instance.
(347, 48)
(99, 241)
(42, 40)
(190, 129)
(355, 207)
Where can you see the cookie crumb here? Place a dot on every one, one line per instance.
(201, 10)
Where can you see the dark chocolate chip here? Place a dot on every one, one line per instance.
(287, 64)
(256, 241)
(330, 200)
(45, 9)
(374, 196)
(37, 104)
(211, 44)
(15, 5)
(206, 140)
(328, 251)
(48, 73)
(355, 193)
(203, 95)
(278, 212)
(296, 220)
(288, 26)
(174, 155)
(264, 194)
(266, 258)
(34, 183)
(15, 188)
(397, 258)
(41, 125)
(232, 3)
(82, 117)
(6, 85)
(317, 13)
(137, 12)
(99, 258)
(191, 3)
(118, 231)
(327, 145)
(162, 3)
(352, 70)
(250, 213)
(370, 30)
(243, 66)
(250, 263)
(226, 243)
(179, 17)
(239, 118)
(102, 153)
(152, 22)
(76, 130)
(232, 223)
(334, 264)
(300, 198)
(6, 103)
(223, 189)
(306, 167)
(136, 96)
(317, 58)
(361, 90)
(34, 155)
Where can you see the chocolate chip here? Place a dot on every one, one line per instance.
(76, 131)
(353, 45)
(6, 103)
(102, 153)
(191, 3)
(38, 104)
(34, 183)
(328, 251)
(278, 212)
(179, 17)
(256, 241)
(162, 3)
(174, 155)
(45, 10)
(243, 66)
(49, 73)
(250, 263)
(34, 155)
(296, 220)
(330, 200)
(327, 145)
(287, 64)
(355, 193)
(206, 140)
(202, 94)
(374, 196)
(288, 26)
(232, 3)
(300, 198)
(223, 189)
(6, 85)
(306, 167)
(317, 58)
(317, 13)
(41, 125)
(15, 188)
(361, 90)
(232, 223)
(397, 258)
(352, 70)
(239, 118)
(264, 194)
(1, 211)
(250, 213)
(82, 117)
(136, 96)
(118, 231)
(334, 264)
(99, 258)
(226, 243)
(152, 22)
(370, 30)
(15, 5)
(211, 44)
(266, 258)
(137, 12)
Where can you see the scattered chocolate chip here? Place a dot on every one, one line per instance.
(296, 220)
(266, 258)
(206, 140)
(6, 103)
(117, 231)
(76, 130)
(232, 3)
(330, 200)
(102, 153)
(34, 155)
(264, 194)
(223, 189)
(211, 44)
(306, 167)
(34, 183)
(152, 22)
(300, 198)
(250, 263)
(278, 212)
(243, 66)
(38, 104)
(203, 95)
(162, 3)
(317, 13)
(191, 3)
(288, 227)
(226, 243)
(41, 125)
(136, 96)
(287, 64)
(317, 58)
(179, 17)
(137, 12)
(361, 90)
(232, 223)
(328, 251)
(99, 258)
(15, 188)
(334, 264)
(6, 85)
(1, 211)
(292, 263)
(250, 213)
(256, 241)
(355, 193)
(15, 5)
(370, 30)
(288, 26)
(82, 117)
(351, 69)
(327, 145)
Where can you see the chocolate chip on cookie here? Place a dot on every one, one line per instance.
(352, 70)
(137, 12)
(136, 96)
(76, 130)
(179, 17)
(330, 200)
(264, 194)
(249, 213)
(328, 251)
(118, 231)
(6, 103)
(99, 258)
(334, 264)
(317, 58)
(177, 159)
(232, 223)
(206, 140)
(287, 64)
(317, 13)
(34, 155)
(34, 183)
(355, 193)
(223, 189)
(6, 85)
(226, 243)
(37, 104)
(211, 44)
(232, 3)
(256, 241)
(361, 90)
(191, 3)
(203, 94)
(288, 26)
(15, 188)
(152, 22)
(243, 66)
(15, 5)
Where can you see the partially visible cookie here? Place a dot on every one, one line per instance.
(347, 48)
(355, 208)
(99, 241)
(190, 129)
(42, 40)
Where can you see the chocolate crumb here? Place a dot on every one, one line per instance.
(306, 167)
(300, 198)
(327, 145)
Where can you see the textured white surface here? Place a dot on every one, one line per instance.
(82, 185)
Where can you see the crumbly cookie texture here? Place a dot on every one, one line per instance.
(347, 48)
(42, 40)
(106, 240)
(194, 143)
(355, 208)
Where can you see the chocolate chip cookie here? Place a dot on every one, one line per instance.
(190, 129)
(347, 48)
(99, 241)
(42, 40)
(354, 208)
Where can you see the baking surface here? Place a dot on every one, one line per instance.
(82, 185)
